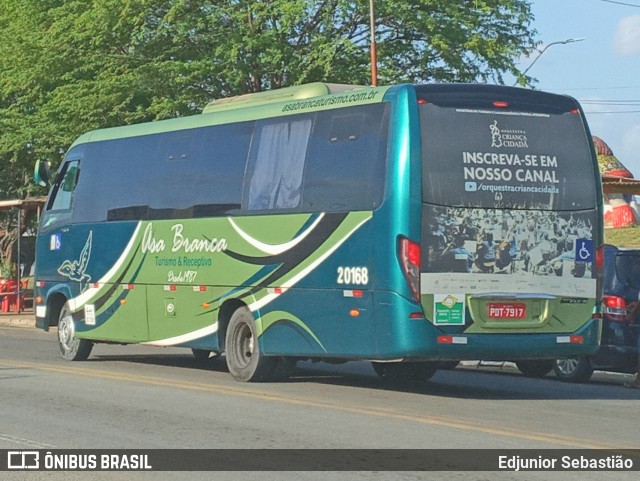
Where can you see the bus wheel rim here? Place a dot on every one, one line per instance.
(243, 345)
(66, 331)
(567, 366)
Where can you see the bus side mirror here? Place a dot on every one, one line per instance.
(42, 173)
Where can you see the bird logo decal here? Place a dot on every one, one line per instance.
(76, 270)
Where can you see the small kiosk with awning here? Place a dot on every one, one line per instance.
(13, 291)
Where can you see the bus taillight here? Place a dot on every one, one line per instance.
(614, 308)
(598, 266)
(600, 258)
(409, 255)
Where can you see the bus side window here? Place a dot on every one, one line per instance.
(276, 164)
(62, 195)
(346, 160)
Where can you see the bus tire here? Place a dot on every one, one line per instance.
(535, 369)
(245, 361)
(405, 371)
(71, 348)
(573, 369)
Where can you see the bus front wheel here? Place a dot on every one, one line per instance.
(71, 348)
(245, 361)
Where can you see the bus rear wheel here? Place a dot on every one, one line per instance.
(535, 368)
(405, 371)
(245, 361)
(573, 369)
(71, 348)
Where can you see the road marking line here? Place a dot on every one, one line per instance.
(370, 411)
(26, 442)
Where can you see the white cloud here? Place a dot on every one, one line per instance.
(626, 39)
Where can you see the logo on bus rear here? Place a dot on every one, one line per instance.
(449, 309)
(508, 138)
(584, 250)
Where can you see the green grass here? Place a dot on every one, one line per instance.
(623, 237)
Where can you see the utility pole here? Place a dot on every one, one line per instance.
(374, 53)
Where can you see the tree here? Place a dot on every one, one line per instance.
(68, 66)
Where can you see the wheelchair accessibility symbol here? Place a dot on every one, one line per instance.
(584, 250)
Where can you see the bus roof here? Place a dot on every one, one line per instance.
(297, 92)
(285, 101)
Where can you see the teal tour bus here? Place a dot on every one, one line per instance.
(409, 225)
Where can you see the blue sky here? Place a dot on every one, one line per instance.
(602, 71)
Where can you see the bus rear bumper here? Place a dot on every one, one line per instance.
(513, 347)
(403, 335)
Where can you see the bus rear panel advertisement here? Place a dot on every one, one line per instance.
(405, 225)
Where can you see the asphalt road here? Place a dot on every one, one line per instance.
(138, 397)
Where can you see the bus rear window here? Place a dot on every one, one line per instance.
(501, 158)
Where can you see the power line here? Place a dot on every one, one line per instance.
(622, 3)
(623, 103)
(611, 101)
(615, 112)
(619, 87)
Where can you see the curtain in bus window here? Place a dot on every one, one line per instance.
(279, 164)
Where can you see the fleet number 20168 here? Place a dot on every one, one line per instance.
(353, 275)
